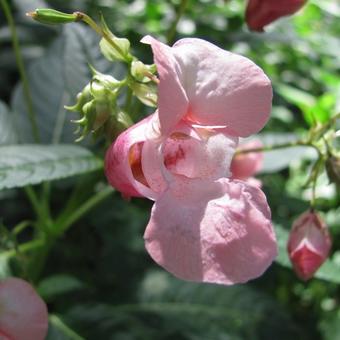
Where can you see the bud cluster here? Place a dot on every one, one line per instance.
(97, 102)
(97, 105)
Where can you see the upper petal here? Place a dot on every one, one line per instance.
(23, 314)
(172, 99)
(209, 86)
(223, 88)
(209, 231)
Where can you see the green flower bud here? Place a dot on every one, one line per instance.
(104, 86)
(141, 72)
(112, 47)
(53, 17)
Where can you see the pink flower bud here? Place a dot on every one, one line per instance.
(260, 13)
(308, 245)
(245, 165)
(23, 314)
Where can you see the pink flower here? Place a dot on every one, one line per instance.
(204, 226)
(308, 245)
(23, 314)
(245, 166)
(260, 13)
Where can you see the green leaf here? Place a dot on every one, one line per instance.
(170, 309)
(58, 330)
(7, 132)
(58, 284)
(55, 79)
(21, 165)
(303, 100)
(329, 271)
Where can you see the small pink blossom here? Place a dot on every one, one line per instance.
(309, 244)
(245, 165)
(260, 13)
(204, 226)
(23, 314)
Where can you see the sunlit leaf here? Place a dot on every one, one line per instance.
(21, 165)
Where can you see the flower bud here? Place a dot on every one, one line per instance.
(118, 49)
(141, 72)
(308, 245)
(53, 17)
(333, 169)
(23, 314)
(97, 105)
(260, 13)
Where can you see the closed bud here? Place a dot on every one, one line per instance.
(53, 17)
(308, 245)
(97, 105)
(141, 72)
(114, 48)
(260, 13)
(333, 169)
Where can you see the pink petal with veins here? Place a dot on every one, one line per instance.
(211, 231)
(172, 99)
(210, 86)
(23, 314)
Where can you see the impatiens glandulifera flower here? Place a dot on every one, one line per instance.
(23, 314)
(309, 244)
(260, 13)
(245, 165)
(205, 225)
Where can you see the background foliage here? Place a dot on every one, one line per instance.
(98, 280)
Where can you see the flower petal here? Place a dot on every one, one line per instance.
(172, 99)
(123, 162)
(23, 314)
(208, 231)
(208, 156)
(209, 86)
(223, 88)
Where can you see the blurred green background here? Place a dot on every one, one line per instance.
(99, 281)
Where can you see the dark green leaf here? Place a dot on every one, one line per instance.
(7, 132)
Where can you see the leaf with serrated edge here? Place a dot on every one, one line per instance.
(21, 165)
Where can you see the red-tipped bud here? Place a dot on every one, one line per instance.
(308, 245)
(260, 13)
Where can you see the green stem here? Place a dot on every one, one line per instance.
(172, 30)
(22, 72)
(23, 248)
(66, 330)
(314, 177)
(89, 21)
(63, 225)
(278, 146)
